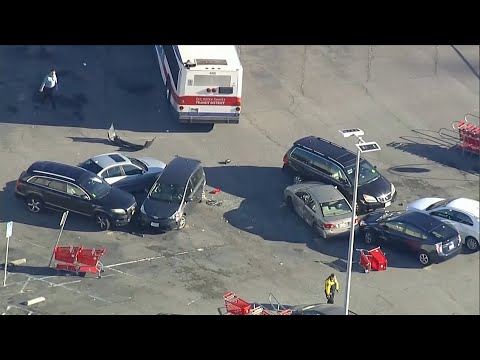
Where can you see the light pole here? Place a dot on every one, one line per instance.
(363, 147)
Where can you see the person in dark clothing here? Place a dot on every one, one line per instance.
(331, 286)
(49, 84)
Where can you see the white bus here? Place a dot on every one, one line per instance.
(203, 82)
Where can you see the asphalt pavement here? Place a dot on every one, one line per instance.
(403, 97)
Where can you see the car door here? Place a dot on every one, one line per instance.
(302, 163)
(135, 179)
(391, 233)
(299, 202)
(113, 174)
(189, 205)
(57, 196)
(197, 180)
(340, 180)
(412, 238)
(455, 219)
(309, 210)
(80, 201)
(319, 169)
(465, 224)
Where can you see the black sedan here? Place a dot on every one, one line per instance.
(430, 239)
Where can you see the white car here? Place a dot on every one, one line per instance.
(462, 213)
(125, 172)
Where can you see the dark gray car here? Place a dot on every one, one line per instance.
(174, 195)
(322, 207)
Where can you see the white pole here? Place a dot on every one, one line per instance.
(62, 223)
(6, 262)
(352, 234)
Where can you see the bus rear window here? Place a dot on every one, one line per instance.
(212, 80)
(225, 90)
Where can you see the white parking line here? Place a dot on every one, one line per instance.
(144, 259)
(33, 244)
(66, 283)
(191, 302)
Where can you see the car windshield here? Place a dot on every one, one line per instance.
(438, 204)
(367, 173)
(92, 166)
(138, 163)
(335, 208)
(167, 192)
(95, 187)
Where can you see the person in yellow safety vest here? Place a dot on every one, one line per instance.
(331, 286)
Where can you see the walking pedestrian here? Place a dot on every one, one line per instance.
(331, 287)
(49, 84)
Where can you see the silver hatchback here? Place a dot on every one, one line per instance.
(323, 207)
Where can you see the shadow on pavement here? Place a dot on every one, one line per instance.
(97, 85)
(37, 270)
(262, 212)
(14, 209)
(447, 156)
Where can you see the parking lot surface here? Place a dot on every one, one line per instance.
(403, 97)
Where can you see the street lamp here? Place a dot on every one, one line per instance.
(363, 147)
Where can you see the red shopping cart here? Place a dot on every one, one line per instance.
(79, 260)
(373, 259)
(238, 306)
(469, 134)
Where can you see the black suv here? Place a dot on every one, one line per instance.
(66, 187)
(316, 159)
(174, 195)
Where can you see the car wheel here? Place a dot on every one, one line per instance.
(34, 203)
(297, 179)
(102, 221)
(424, 258)
(369, 237)
(289, 202)
(471, 243)
(82, 274)
(182, 222)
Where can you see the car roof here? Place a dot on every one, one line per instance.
(422, 220)
(178, 170)
(328, 149)
(70, 172)
(109, 159)
(323, 193)
(463, 204)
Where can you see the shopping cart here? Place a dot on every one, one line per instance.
(238, 306)
(373, 259)
(469, 134)
(79, 260)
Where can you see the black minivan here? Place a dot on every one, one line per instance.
(316, 159)
(174, 195)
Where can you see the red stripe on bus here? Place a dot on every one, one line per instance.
(208, 100)
(201, 100)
